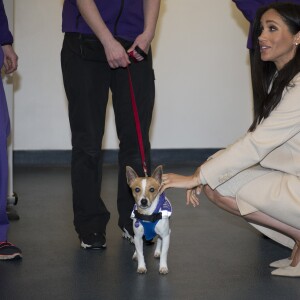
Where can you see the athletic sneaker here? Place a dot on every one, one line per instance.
(8, 251)
(126, 235)
(94, 241)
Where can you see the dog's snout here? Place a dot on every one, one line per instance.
(144, 202)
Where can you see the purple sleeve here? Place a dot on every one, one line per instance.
(5, 35)
(249, 7)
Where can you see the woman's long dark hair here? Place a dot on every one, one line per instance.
(265, 72)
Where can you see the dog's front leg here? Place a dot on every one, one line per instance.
(163, 267)
(163, 230)
(158, 248)
(138, 241)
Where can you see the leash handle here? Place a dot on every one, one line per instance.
(137, 123)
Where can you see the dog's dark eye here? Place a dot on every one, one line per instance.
(137, 190)
(152, 190)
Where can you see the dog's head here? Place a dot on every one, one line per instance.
(144, 189)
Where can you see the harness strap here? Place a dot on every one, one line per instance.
(150, 218)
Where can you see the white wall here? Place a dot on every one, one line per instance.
(203, 96)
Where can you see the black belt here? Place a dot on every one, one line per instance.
(82, 36)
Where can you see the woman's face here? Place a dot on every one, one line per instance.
(277, 43)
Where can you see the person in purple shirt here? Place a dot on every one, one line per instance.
(9, 59)
(249, 9)
(99, 35)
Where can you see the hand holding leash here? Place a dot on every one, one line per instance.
(137, 54)
(116, 54)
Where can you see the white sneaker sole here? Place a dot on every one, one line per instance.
(87, 246)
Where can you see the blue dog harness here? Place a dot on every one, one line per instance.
(162, 210)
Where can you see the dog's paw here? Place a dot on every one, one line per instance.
(142, 270)
(157, 254)
(163, 270)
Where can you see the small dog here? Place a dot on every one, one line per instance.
(150, 216)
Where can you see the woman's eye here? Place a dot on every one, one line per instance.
(137, 190)
(152, 190)
(272, 28)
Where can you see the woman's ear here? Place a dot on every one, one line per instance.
(297, 39)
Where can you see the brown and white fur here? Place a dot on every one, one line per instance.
(146, 193)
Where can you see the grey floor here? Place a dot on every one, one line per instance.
(213, 255)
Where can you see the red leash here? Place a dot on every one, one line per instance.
(137, 123)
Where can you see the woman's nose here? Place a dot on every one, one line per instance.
(262, 36)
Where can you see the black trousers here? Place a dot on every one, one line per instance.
(87, 80)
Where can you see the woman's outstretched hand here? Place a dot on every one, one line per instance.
(191, 183)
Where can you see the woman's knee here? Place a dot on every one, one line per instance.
(225, 202)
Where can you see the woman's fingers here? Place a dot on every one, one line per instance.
(187, 182)
(192, 198)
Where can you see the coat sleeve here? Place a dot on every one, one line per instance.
(5, 35)
(282, 124)
(249, 7)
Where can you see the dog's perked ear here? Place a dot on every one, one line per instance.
(130, 175)
(157, 174)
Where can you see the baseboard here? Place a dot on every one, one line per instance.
(110, 157)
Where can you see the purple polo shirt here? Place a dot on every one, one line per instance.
(5, 34)
(249, 8)
(124, 19)
(5, 38)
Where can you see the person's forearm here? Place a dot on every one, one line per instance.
(249, 7)
(91, 15)
(151, 12)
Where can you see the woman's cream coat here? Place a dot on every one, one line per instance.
(275, 145)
